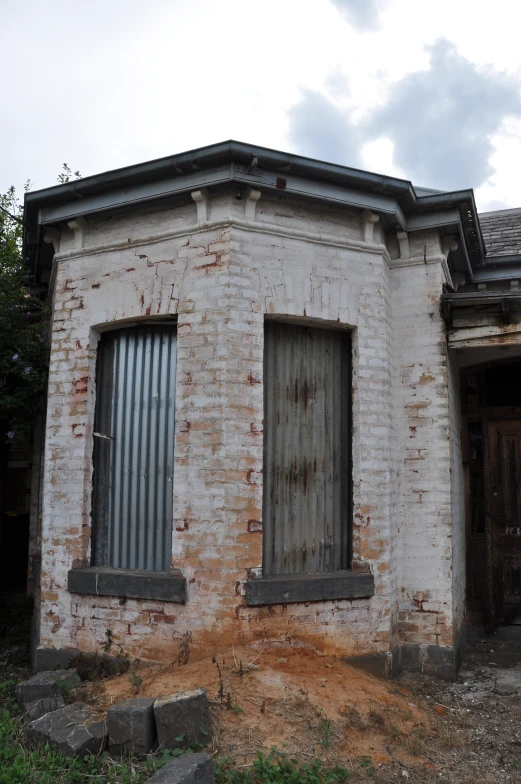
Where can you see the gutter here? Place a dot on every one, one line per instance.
(229, 161)
(506, 267)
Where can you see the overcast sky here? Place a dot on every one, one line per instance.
(429, 90)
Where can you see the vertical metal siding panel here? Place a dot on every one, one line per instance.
(136, 403)
(119, 448)
(161, 437)
(306, 478)
(137, 419)
(151, 455)
(346, 455)
(145, 468)
(169, 454)
(102, 455)
(127, 521)
(269, 424)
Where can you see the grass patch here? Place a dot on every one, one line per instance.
(20, 764)
(278, 768)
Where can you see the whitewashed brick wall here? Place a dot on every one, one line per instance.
(221, 280)
(423, 458)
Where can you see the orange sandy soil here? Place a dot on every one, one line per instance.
(295, 699)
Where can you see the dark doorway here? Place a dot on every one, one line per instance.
(492, 453)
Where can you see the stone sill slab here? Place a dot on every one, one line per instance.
(129, 583)
(289, 589)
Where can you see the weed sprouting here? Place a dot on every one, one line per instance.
(106, 645)
(184, 648)
(367, 764)
(324, 728)
(220, 693)
(136, 681)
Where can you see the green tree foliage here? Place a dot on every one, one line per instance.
(23, 347)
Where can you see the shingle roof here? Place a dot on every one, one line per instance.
(501, 232)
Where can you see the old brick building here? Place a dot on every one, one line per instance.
(255, 425)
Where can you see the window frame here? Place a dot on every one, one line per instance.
(346, 583)
(102, 577)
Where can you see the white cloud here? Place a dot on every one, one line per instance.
(123, 81)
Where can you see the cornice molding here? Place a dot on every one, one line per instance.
(255, 227)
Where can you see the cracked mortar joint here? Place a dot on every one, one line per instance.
(202, 203)
(78, 226)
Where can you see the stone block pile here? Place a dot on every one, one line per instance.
(133, 727)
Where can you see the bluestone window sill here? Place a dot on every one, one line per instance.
(129, 583)
(293, 588)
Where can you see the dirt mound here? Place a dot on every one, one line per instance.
(295, 699)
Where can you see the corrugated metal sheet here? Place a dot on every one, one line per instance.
(306, 515)
(133, 467)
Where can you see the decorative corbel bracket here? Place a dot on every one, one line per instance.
(252, 197)
(53, 237)
(202, 202)
(369, 220)
(451, 243)
(403, 241)
(448, 244)
(78, 225)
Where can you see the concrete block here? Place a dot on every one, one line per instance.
(183, 715)
(132, 727)
(186, 769)
(49, 658)
(35, 709)
(440, 662)
(46, 684)
(377, 664)
(70, 731)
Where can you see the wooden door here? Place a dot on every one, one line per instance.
(504, 445)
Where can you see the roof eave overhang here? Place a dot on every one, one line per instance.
(506, 267)
(228, 162)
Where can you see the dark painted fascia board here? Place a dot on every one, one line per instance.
(195, 166)
(225, 152)
(296, 186)
(496, 301)
(499, 268)
(471, 298)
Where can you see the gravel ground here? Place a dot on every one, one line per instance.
(477, 731)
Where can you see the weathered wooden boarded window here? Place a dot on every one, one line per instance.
(134, 448)
(307, 447)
